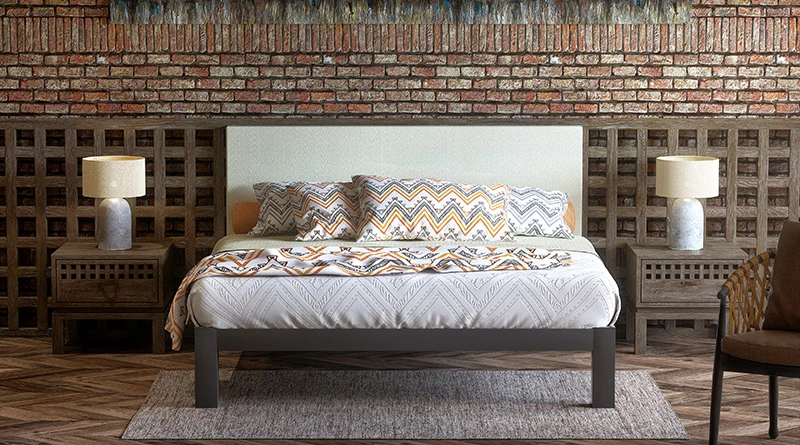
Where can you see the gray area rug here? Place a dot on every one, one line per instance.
(429, 404)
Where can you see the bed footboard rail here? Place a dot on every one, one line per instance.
(209, 341)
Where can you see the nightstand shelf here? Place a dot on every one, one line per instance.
(94, 284)
(675, 285)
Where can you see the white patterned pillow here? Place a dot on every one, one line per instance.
(538, 212)
(429, 209)
(325, 210)
(276, 213)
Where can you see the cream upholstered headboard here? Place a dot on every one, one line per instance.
(517, 155)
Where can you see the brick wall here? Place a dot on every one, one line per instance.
(735, 58)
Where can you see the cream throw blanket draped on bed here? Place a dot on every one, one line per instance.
(355, 262)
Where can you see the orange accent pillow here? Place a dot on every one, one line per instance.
(245, 217)
(569, 217)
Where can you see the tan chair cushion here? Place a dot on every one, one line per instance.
(245, 217)
(774, 347)
(783, 307)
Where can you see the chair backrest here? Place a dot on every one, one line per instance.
(747, 290)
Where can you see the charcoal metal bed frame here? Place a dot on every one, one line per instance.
(209, 341)
(543, 156)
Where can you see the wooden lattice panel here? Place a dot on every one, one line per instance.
(759, 181)
(43, 207)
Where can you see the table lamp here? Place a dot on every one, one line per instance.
(686, 178)
(113, 178)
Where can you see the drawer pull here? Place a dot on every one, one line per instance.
(692, 283)
(110, 288)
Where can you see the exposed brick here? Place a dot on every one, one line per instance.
(104, 108)
(586, 108)
(761, 108)
(83, 109)
(31, 108)
(484, 108)
(151, 108)
(754, 71)
(260, 108)
(309, 108)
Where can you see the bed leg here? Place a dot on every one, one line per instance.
(206, 368)
(603, 363)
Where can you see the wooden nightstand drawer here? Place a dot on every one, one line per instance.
(681, 292)
(684, 281)
(108, 282)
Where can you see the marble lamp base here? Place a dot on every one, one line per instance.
(686, 224)
(113, 224)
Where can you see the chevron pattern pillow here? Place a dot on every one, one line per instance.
(325, 210)
(428, 209)
(276, 214)
(538, 212)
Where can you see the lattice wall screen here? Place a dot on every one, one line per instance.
(41, 204)
(759, 181)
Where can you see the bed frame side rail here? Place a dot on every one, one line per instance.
(209, 341)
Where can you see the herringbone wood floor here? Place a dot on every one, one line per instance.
(89, 398)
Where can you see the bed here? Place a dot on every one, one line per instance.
(569, 308)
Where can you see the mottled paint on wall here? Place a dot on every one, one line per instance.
(401, 11)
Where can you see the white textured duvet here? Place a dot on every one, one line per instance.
(582, 295)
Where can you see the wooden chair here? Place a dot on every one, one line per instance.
(741, 344)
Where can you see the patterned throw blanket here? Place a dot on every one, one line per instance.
(355, 262)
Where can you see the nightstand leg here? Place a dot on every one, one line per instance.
(71, 331)
(630, 323)
(640, 344)
(159, 335)
(58, 334)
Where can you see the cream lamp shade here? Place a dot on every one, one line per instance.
(113, 176)
(687, 176)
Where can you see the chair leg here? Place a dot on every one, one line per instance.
(773, 406)
(716, 402)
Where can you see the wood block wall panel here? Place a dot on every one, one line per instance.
(42, 206)
(759, 181)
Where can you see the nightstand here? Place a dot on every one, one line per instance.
(94, 284)
(675, 284)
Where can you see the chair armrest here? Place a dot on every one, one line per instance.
(743, 296)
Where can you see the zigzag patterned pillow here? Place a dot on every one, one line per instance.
(538, 212)
(405, 209)
(276, 214)
(325, 210)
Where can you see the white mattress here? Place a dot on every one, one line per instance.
(581, 295)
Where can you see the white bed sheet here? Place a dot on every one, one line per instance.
(581, 295)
